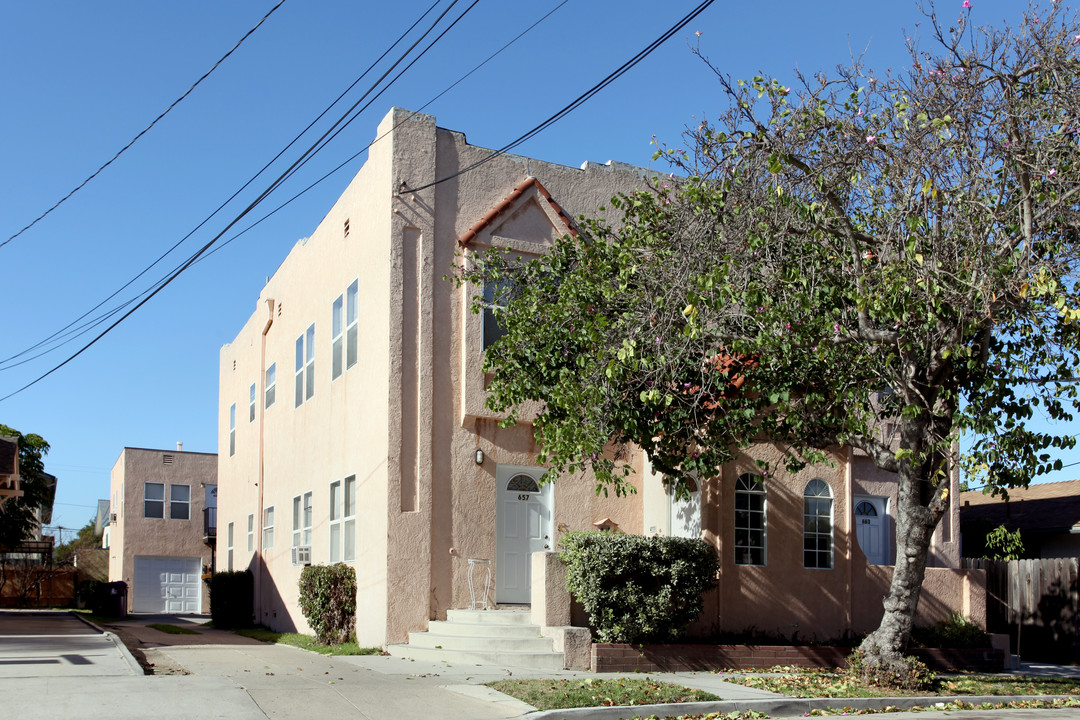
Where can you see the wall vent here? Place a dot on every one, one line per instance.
(346, 227)
(167, 459)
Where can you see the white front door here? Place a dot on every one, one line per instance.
(523, 517)
(871, 524)
(166, 585)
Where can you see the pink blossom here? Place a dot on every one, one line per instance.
(871, 139)
(1053, 172)
(966, 4)
(1076, 40)
(836, 329)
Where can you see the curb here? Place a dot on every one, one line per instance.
(133, 665)
(778, 708)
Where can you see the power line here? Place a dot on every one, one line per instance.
(83, 329)
(147, 128)
(304, 157)
(576, 103)
(398, 124)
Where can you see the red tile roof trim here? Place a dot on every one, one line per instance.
(509, 200)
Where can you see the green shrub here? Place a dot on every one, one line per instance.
(638, 589)
(912, 675)
(956, 631)
(328, 601)
(232, 599)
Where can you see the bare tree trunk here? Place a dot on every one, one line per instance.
(915, 524)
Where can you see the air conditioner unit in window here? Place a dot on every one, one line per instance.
(112, 517)
(301, 555)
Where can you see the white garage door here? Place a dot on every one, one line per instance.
(167, 584)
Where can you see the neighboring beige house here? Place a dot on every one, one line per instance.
(163, 528)
(352, 426)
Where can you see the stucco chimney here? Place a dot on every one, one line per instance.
(179, 446)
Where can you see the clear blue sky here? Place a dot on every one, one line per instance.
(81, 79)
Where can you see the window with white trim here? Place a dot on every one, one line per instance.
(348, 533)
(352, 324)
(749, 520)
(335, 521)
(251, 405)
(817, 525)
(229, 546)
(154, 500)
(268, 528)
(271, 384)
(337, 338)
(179, 502)
(305, 366)
(251, 533)
(232, 430)
(301, 522)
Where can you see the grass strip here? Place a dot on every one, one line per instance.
(306, 642)
(173, 629)
(548, 694)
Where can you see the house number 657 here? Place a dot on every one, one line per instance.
(523, 497)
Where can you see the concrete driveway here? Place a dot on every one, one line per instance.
(53, 664)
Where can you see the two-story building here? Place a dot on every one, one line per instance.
(163, 528)
(352, 425)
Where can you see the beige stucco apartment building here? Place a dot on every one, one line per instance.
(352, 424)
(162, 528)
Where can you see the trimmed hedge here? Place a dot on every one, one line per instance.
(328, 601)
(638, 589)
(232, 599)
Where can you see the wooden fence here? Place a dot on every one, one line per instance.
(1037, 602)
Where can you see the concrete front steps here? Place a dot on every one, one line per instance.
(483, 637)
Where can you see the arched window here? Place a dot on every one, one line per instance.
(749, 520)
(522, 483)
(817, 525)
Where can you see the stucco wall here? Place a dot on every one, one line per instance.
(408, 419)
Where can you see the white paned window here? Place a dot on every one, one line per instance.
(352, 324)
(154, 500)
(749, 520)
(299, 399)
(348, 533)
(251, 533)
(337, 338)
(309, 363)
(180, 502)
(271, 384)
(232, 430)
(817, 525)
(251, 405)
(268, 527)
(229, 546)
(301, 524)
(335, 521)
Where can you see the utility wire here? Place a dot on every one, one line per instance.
(147, 128)
(580, 100)
(262, 196)
(398, 124)
(82, 329)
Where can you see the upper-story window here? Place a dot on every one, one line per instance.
(337, 338)
(817, 525)
(154, 500)
(251, 405)
(749, 520)
(232, 430)
(352, 324)
(345, 331)
(268, 527)
(180, 502)
(271, 384)
(305, 366)
(495, 299)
